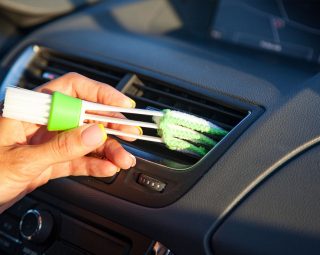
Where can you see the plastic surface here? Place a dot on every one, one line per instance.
(280, 217)
(65, 112)
(97, 235)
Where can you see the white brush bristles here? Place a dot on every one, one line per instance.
(26, 105)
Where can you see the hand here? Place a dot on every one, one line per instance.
(30, 155)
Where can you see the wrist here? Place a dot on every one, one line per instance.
(9, 199)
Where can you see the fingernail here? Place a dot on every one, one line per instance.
(140, 130)
(118, 170)
(133, 103)
(93, 135)
(104, 133)
(133, 158)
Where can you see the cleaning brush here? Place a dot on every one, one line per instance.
(178, 131)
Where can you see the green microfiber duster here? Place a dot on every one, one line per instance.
(183, 132)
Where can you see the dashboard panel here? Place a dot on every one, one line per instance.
(237, 183)
(282, 26)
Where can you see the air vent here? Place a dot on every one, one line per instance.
(47, 65)
(177, 171)
(44, 65)
(157, 95)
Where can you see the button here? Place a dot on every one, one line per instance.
(151, 183)
(36, 225)
(62, 249)
(30, 251)
(28, 248)
(19, 208)
(9, 226)
(7, 245)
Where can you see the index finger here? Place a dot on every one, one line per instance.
(77, 85)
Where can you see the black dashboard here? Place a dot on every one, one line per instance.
(285, 27)
(251, 66)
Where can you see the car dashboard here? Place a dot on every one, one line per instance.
(248, 66)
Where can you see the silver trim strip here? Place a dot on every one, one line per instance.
(16, 71)
(37, 214)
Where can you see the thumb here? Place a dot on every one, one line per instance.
(72, 144)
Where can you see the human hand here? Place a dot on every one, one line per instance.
(30, 155)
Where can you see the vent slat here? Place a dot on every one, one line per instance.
(188, 101)
(165, 95)
(70, 66)
(32, 77)
(153, 103)
(28, 85)
(147, 102)
(46, 68)
(47, 65)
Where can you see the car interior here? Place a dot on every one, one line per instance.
(249, 66)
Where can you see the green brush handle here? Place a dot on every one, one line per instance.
(65, 112)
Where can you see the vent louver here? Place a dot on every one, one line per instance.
(46, 66)
(157, 95)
